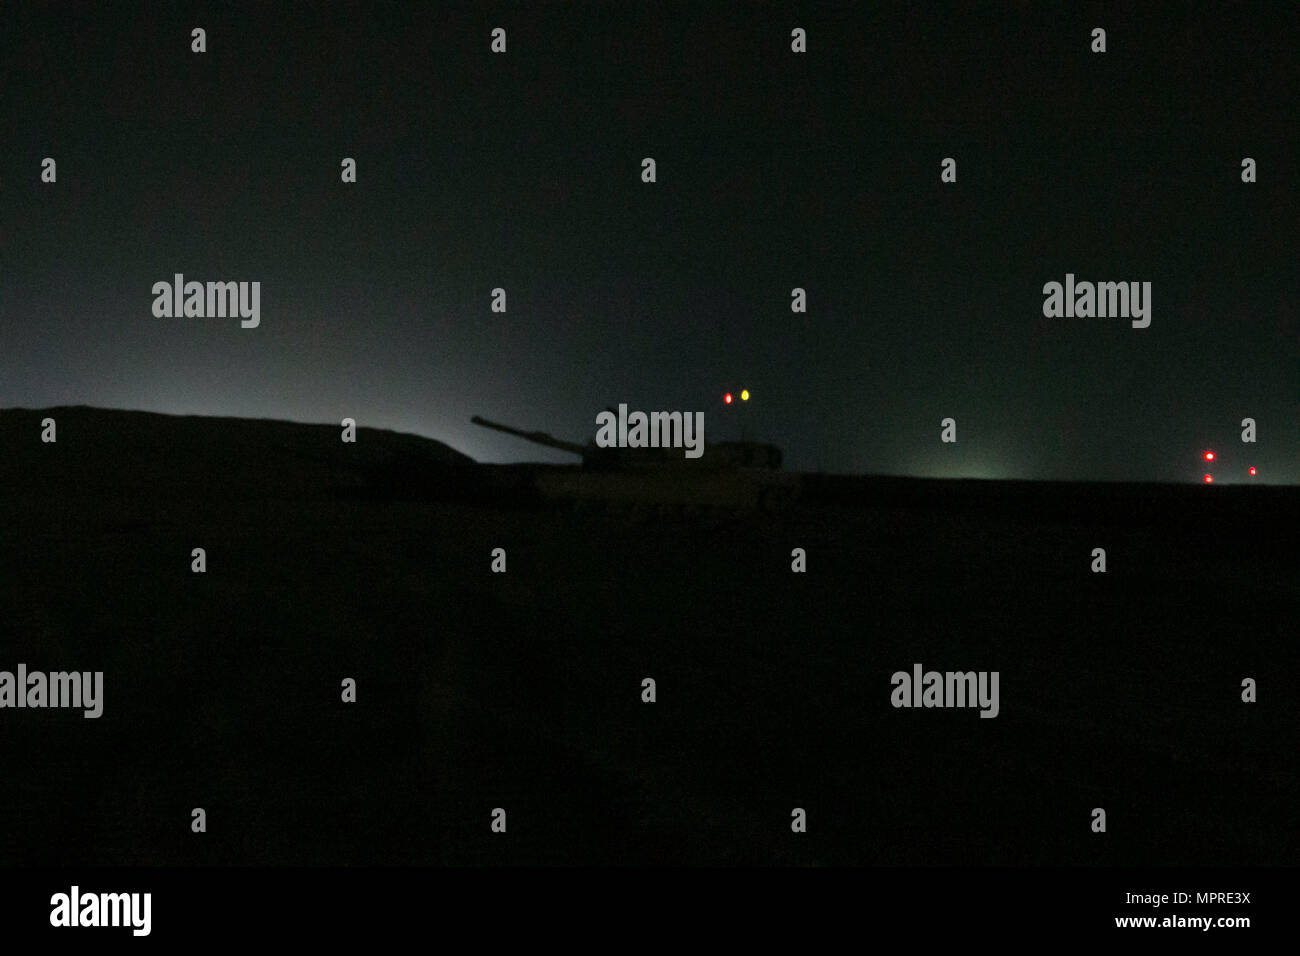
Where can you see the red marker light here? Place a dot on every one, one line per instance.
(727, 398)
(1208, 479)
(1252, 469)
(1209, 456)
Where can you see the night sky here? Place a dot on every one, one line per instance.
(775, 170)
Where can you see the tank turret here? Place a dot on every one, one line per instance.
(729, 476)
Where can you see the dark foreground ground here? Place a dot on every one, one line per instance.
(522, 690)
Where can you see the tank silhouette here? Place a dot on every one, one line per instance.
(728, 475)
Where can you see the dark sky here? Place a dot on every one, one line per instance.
(775, 170)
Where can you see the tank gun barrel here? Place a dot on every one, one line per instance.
(537, 438)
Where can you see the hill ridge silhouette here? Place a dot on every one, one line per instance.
(103, 451)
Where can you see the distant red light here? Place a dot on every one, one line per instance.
(1209, 478)
(727, 398)
(1209, 456)
(1252, 469)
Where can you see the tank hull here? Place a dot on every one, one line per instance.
(731, 490)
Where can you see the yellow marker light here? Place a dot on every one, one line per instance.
(744, 395)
